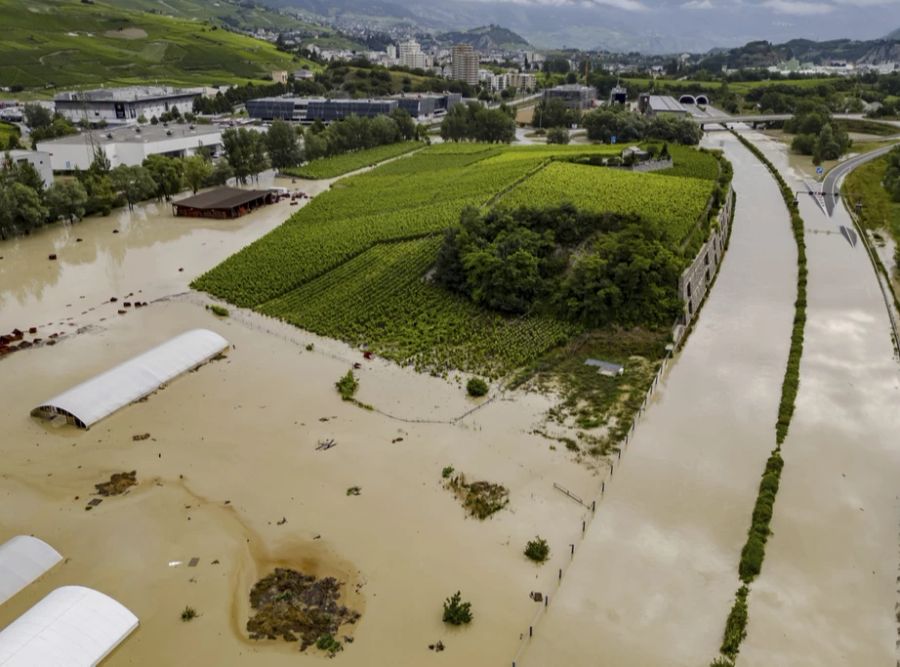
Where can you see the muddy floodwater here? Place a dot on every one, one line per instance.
(230, 473)
(829, 585)
(653, 581)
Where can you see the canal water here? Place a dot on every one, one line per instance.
(653, 580)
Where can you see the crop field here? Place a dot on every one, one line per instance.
(338, 165)
(675, 202)
(691, 163)
(416, 322)
(57, 44)
(353, 264)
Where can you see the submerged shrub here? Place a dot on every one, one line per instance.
(457, 612)
(476, 387)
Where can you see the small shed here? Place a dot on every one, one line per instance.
(606, 368)
(223, 203)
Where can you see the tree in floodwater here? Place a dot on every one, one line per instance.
(133, 183)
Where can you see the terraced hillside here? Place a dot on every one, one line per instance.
(58, 43)
(354, 263)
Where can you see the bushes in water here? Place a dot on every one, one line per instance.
(347, 386)
(754, 549)
(735, 627)
(329, 644)
(537, 550)
(457, 612)
(480, 499)
(188, 614)
(476, 387)
(219, 310)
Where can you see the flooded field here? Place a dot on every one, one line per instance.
(231, 475)
(831, 565)
(654, 579)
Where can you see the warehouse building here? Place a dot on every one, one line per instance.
(309, 109)
(331, 110)
(574, 96)
(222, 203)
(38, 159)
(119, 106)
(130, 145)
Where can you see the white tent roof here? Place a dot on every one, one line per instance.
(22, 560)
(102, 395)
(71, 627)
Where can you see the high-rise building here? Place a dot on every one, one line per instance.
(465, 64)
(409, 54)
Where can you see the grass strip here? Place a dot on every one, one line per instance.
(338, 165)
(754, 551)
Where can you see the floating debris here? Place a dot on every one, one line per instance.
(140, 436)
(298, 607)
(118, 483)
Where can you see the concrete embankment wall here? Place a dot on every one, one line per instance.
(698, 277)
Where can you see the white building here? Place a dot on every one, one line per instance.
(38, 159)
(409, 54)
(119, 106)
(130, 145)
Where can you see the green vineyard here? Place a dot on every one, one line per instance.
(354, 263)
(338, 165)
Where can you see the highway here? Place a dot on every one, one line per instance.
(831, 186)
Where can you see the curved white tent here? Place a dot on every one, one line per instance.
(22, 560)
(71, 627)
(102, 395)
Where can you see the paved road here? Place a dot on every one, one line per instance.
(831, 186)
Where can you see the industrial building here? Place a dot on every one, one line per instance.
(660, 105)
(278, 108)
(38, 159)
(120, 106)
(464, 65)
(130, 145)
(574, 96)
(330, 110)
(424, 105)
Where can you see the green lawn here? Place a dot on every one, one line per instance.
(7, 131)
(46, 45)
(878, 212)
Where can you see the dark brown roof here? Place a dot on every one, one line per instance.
(221, 198)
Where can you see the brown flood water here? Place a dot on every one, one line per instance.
(653, 581)
(231, 472)
(828, 589)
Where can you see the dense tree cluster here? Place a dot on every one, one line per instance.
(553, 112)
(44, 125)
(356, 133)
(892, 175)
(603, 124)
(816, 134)
(475, 122)
(595, 269)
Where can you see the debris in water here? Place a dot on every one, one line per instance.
(52, 257)
(325, 445)
(118, 483)
(140, 436)
(298, 607)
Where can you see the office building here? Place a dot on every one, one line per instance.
(409, 54)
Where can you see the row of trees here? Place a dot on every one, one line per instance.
(476, 122)
(25, 204)
(603, 124)
(45, 125)
(595, 269)
(356, 133)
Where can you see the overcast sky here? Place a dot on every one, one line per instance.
(675, 24)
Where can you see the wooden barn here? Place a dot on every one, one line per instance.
(222, 203)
